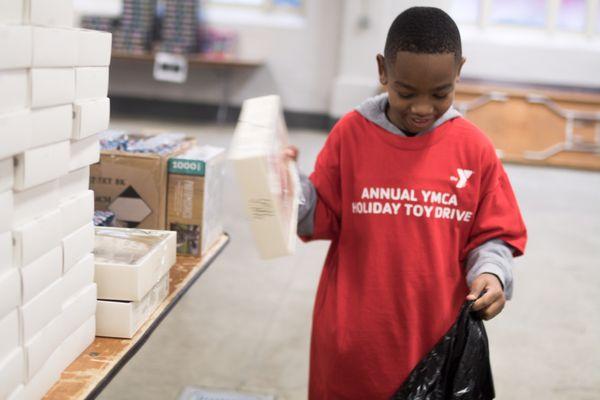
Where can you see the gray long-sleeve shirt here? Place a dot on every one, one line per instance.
(494, 256)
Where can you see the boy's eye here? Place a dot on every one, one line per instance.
(440, 96)
(406, 95)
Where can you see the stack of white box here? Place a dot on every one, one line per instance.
(53, 88)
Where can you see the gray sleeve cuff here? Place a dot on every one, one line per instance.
(306, 210)
(493, 257)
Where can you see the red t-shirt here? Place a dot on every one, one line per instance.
(402, 215)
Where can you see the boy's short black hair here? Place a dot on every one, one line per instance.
(425, 30)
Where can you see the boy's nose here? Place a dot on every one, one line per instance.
(421, 109)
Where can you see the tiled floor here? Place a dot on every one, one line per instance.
(245, 325)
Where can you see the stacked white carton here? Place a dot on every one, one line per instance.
(53, 88)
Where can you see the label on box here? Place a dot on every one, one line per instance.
(15, 91)
(51, 125)
(32, 203)
(52, 86)
(15, 132)
(41, 164)
(54, 47)
(39, 274)
(15, 42)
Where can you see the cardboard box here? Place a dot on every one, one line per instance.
(52, 86)
(58, 13)
(41, 273)
(122, 319)
(76, 212)
(51, 125)
(35, 238)
(134, 186)
(12, 11)
(94, 48)
(269, 184)
(77, 245)
(15, 90)
(12, 369)
(46, 377)
(74, 183)
(195, 197)
(91, 117)
(15, 132)
(6, 210)
(32, 203)
(80, 276)
(41, 164)
(130, 262)
(10, 337)
(91, 83)
(76, 344)
(39, 311)
(84, 152)
(6, 252)
(6, 174)
(10, 291)
(54, 47)
(15, 44)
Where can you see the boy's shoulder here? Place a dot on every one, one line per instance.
(471, 136)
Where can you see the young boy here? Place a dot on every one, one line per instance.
(420, 214)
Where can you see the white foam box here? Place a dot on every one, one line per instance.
(74, 183)
(272, 208)
(52, 86)
(84, 152)
(41, 273)
(15, 132)
(77, 245)
(91, 117)
(51, 125)
(51, 13)
(76, 212)
(91, 83)
(42, 309)
(54, 47)
(15, 90)
(15, 45)
(80, 276)
(46, 377)
(122, 319)
(130, 262)
(6, 174)
(35, 238)
(32, 203)
(6, 252)
(6, 210)
(76, 344)
(12, 369)
(41, 164)
(10, 337)
(94, 48)
(12, 11)
(10, 291)
(18, 393)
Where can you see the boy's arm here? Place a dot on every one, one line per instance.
(492, 257)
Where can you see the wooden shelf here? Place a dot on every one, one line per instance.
(89, 374)
(193, 60)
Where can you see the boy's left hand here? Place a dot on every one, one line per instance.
(492, 302)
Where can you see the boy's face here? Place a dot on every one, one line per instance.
(420, 87)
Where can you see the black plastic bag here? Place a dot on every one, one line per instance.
(458, 367)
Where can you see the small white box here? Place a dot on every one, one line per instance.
(91, 117)
(51, 13)
(122, 319)
(15, 45)
(80, 276)
(32, 203)
(10, 291)
(91, 83)
(12, 369)
(15, 90)
(77, 309)
(76, 212)
(84, 152)
(52, 86)
(51, 125)
(74, 183)
(41, 273)
(46, 377)
(77, 245)
(42, 309)
(35, 238)
(94, 48)
(6, 174)
(6, 252)
(54, 47)
(77, 342)
(12, 11)
(10, 337)
(6, 210)
(41, 164)
(130, 262)
(18, 393)
(15, 132)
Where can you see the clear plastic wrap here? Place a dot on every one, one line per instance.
(125, 246)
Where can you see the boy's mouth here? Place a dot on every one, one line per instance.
(420, 123)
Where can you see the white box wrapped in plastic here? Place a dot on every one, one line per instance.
(32, 203)
(80, 276)
(76, 212)
(36, 237)
(10, 291)
(15, 45)
(12, 11)
(10, 333)
(91, 83)
(94, 48)
(15, 132)
(91, 116)
(42, 309)
(269, 184)
(42, 164)
(54, 47)
(6, 210)
(51, 125)
(122, 319)
(77, 245)
(41, 273)
(52, 86)
(130, 262)
(58, 13)
(12, 369)
(6, 252)
(74, 183)
(6, 174)
(84, 152)
(15, 90)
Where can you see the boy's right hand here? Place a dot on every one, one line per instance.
(290, 153)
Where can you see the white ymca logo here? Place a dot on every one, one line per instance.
(463, 177)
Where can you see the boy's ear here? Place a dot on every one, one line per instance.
(462, 62)
(383, 79)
